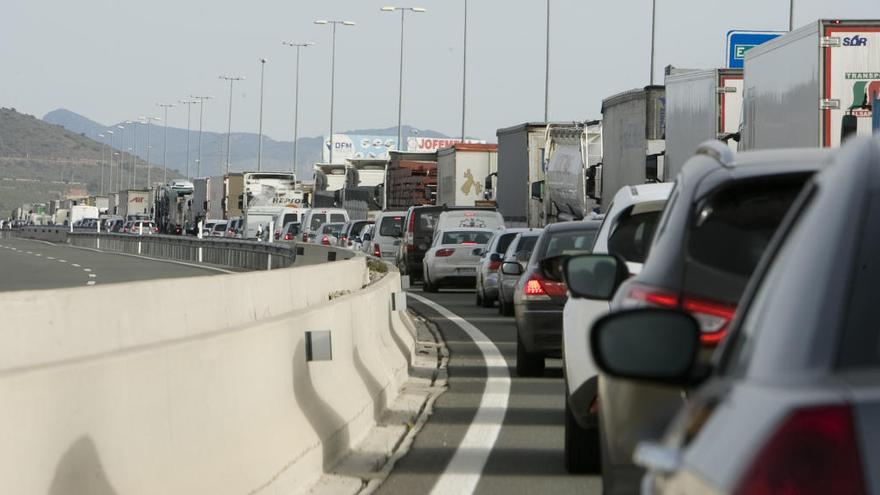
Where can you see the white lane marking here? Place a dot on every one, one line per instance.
(62, 261)
(87, 269)
(75, 264)
(29, 252)
(464, 470)
(37, 254)
(90, 282)
(50, 258)
(92, 275)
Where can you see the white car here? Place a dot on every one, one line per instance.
(385, 237)
(453, 257)
(328, 234)
(630, 221)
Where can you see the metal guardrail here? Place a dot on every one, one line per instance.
(235, 254)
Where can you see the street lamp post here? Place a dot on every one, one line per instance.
(403, 11)
(547, 68)
(260, 144)
(189, 104)
(231, 80)
(109, 134)
(103, 149)
(149, 121)
(791, 15)
(120, 164)
(201, 100)
(653, 37)
(298, 46)
(464, 73)
(334, 23)
(165, 106)
(132, 181)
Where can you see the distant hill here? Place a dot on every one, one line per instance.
(277, 155)
(40, 161)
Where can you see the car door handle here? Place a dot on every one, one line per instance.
(657, 457)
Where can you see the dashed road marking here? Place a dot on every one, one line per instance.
(87, 269)
(92, 275)
(62, 261)
(75, 264)
(90, 282)
(50, 258)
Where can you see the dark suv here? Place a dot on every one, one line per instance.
(721, 214)
(418, 234)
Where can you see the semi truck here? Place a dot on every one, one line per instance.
(813, 86)
(133, 203)
(633, 126)
(563, 192)
(173, 203)
(700, 105)
(520, 165)
(410, 179)
(268, 194)
(362, 195)
(462, 170)
(232, 201)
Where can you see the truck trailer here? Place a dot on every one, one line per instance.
(700, 105)
(462, 170)
(812, 86)
(410, 179)
(633, 126)
(520, 166)
(134, 202)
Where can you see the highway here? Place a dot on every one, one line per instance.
(462, 450)
(33, 265)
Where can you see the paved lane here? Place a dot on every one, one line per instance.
(30, 265)
(526, 457)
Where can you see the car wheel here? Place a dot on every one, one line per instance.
(486, 302)
(527, 364)
(427, 286)
(507, 308)
(581, 446)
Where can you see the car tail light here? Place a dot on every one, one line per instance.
(443, 253)
(494, 266)
(377, 251)
(713, 317)
(815, 450)
(277, 235)
(155, 230)
(305, 237)
(325, 240)
(468, 243)
(288, 237)
(538, 287)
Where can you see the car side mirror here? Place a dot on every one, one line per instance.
(496, 257)
(552, 268)
(594, 276)
(652, 344)
(511, 268)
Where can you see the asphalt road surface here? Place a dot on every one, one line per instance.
(31, 265)
(513, 445)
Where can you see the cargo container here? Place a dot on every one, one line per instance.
(362, 194)
(700, 105)
(134, 202)
(810, 86)
(633, 126)
(233, 195)
(461, 173)
(410, 179)
(520, 168)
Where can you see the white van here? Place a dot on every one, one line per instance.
(479, 219)
(388, 230)
(286, 216)
(315, 217)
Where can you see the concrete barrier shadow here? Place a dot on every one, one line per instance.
(79, 471)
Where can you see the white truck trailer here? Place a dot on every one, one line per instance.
(809, 87)
(700, 105)
(461, 173)
(632, 140)
(520, 165)
(134, 203)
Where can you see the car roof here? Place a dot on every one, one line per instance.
(573, 226)
(642, 193)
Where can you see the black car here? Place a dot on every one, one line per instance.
(418, 234)
(719, 219)
(538, 301)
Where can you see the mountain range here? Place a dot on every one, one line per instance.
(277, 155)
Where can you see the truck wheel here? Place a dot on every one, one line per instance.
(527, 364)
(582, 454)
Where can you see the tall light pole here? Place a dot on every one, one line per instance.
(298, 46)
(120, 164)
(189, 104)
(109, 134)
(165, 106)
(653, 37)
(149, 121)
(131, 151)
(464, 73)
(547, 68)
(403, 11)
(103, 149)
(334, 23)
(231, 80)
(260, 144)
(791, 15)
(201, 100)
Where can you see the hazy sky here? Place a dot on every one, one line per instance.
(112, 60)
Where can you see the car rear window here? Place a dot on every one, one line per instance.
(391, 226)
(730, 231)
(526, 244)
(574, 242)
(425, 222)
(318, 219)
(220, 226)
(337, 217)
(293, 228)
(333, 229)
(633, 233)
(462, 237)
(290, 217)
(504, 243)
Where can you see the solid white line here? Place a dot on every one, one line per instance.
(464, 470)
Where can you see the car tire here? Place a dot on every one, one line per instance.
(486, 302)
(581, 450)
(506, 308)
(427, 286)
(527, 364)
(479, 300)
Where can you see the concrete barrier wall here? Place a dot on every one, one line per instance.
(194, 385)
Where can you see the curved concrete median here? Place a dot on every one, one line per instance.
(195, 385)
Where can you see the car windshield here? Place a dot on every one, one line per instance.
(632, 234)
(504, 242)
(337, 217)
(289, 217)
(574, 242)
(391, 226)
(466, 237)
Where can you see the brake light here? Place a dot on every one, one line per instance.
(305, 237)
(325, 240)
(537, 286)
(494, 266)
(468, 243)
(155, 230)
(712, 316)
(377, 251)
(814, 451)
(288, 237)
(443, 253)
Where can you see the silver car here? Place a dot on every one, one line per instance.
(489, 267)
(519, 251)
(791, 402)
